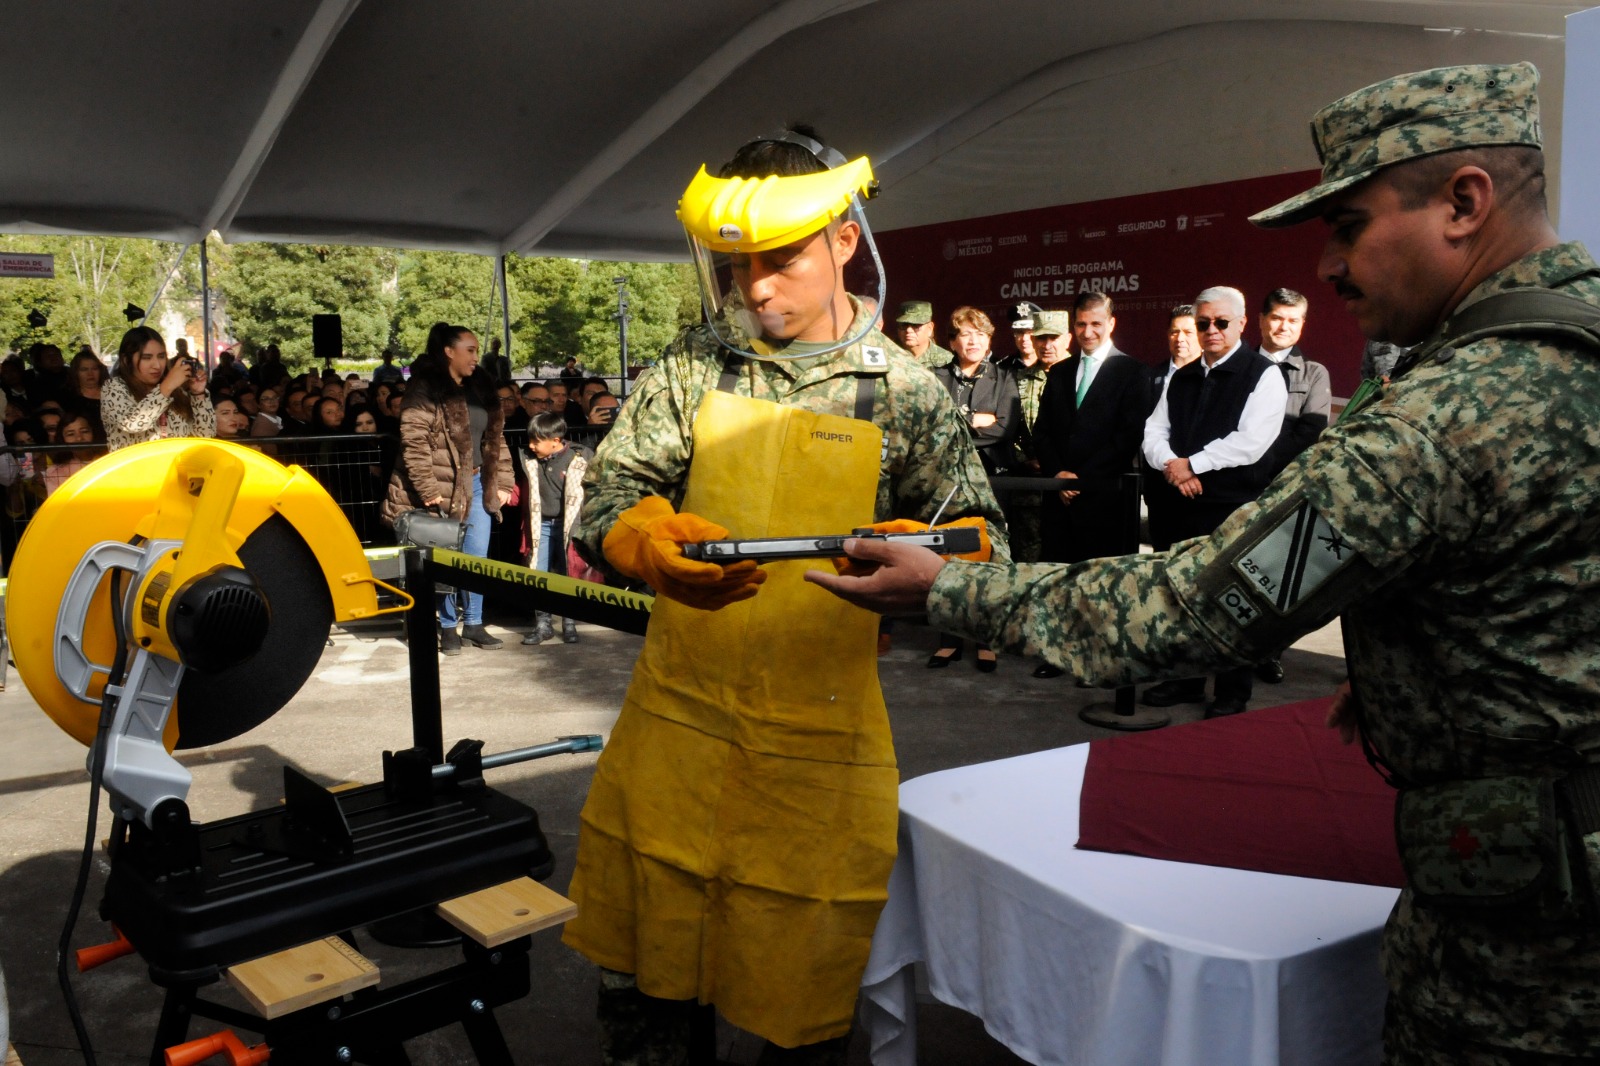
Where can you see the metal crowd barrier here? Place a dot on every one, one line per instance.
(353, 467)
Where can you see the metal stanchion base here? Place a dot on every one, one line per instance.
(1124, 715)
(1107, 716)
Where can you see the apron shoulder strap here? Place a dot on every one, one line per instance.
(866, 396)
(866, 386)
(1514, 313)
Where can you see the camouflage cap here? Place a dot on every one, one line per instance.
(914, 313)
(1052, 323)
(1410, 116)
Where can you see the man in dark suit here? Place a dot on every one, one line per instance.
(1091, 422)
(1183, 348)
(1211, 436)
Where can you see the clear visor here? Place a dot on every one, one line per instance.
(791, 302)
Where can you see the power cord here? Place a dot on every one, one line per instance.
(97, 766)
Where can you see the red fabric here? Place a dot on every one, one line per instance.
(1271, 790)
(578, 567)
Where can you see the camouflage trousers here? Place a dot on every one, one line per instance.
(1409, 1040)
(641, 1030)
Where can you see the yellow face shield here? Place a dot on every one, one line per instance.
(774, 254)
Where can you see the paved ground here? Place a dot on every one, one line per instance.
(357, 705)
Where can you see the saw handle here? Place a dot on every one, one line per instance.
(100, 954)
(197, 1051)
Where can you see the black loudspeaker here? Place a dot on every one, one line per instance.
(327, 336)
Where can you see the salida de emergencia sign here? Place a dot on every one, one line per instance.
(27, 265)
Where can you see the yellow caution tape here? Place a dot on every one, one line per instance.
(543, 580)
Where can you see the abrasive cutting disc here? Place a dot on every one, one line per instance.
(219, 706)
(108, 500)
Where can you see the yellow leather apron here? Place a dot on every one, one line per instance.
(737, 840)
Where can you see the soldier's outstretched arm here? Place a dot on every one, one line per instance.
(1347, 517)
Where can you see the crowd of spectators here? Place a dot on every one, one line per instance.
(343, 428)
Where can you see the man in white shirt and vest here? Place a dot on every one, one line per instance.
(1211, 436)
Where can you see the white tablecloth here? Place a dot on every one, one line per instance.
(1087, 958)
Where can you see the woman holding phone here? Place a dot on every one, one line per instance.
(150, 397)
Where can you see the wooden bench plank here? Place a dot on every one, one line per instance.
(506, 911)
(299, 977)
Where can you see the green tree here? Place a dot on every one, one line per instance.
(445, 287)
(568, 307)
(272, 290)
(656, 307)
(548, 313)
(96, 277)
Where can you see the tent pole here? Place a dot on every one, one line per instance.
(164, 282)
(622, 333)
(205, 304)
(505, 314)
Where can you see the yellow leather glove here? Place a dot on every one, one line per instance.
(852, 568)
(647, 543)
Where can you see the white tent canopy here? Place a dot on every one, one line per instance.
(570, 128)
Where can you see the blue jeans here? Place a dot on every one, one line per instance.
(552, 554)
(476, 543)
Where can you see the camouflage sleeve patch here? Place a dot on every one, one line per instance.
(1269, 575)
(1289, 562)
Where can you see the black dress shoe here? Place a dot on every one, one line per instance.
(939, 662)
(1172, 693)
(985, 661)
(1046, 670)
(1224, 708)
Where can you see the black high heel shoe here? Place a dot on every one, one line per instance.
(939, 662)
(982, 665)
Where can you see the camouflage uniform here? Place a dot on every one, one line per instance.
(1452, 525)
(928, 450)
(1022, 508)
(934, 356)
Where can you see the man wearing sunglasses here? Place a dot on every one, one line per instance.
(1211, 436)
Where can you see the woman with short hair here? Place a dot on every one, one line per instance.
(988, 400)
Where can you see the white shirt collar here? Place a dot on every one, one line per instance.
(1208, 368)
(1100, 352)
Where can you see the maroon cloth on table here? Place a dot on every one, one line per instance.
(1272, 790)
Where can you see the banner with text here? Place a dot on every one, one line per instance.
(1149, 252)
(27, 265)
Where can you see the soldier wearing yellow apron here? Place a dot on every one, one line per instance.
(736, 843)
